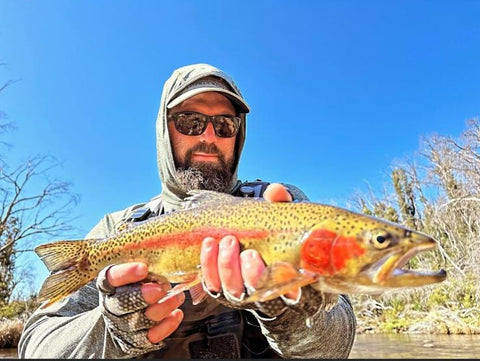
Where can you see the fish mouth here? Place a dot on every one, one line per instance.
(388, 271)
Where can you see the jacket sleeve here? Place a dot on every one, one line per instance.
(324, 334)
(73, 327)
(309, 330)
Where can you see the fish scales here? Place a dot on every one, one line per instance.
(184, 232)
(358, 253)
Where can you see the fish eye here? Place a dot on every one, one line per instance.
(380, 238)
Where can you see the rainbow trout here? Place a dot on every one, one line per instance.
(302, 243)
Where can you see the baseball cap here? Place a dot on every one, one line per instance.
(210, 84)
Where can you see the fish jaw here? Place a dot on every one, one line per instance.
(387, 273)
(390, 273)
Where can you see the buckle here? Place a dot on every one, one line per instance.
(139, 215)
(247, 191)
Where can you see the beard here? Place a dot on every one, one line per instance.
(205, 175)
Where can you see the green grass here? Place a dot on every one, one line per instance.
(451, 307)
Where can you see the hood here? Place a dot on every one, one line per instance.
(172, 194)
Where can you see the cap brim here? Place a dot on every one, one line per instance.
(238, 101)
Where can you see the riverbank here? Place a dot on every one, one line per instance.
(387, 315)
(438, 322)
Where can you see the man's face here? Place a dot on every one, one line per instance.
(206, 155)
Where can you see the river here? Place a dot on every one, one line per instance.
(411, 346)
(399, 346)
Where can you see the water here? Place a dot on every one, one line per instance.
(404, 346)
(383, 346)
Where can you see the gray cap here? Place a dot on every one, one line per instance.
(210, 84)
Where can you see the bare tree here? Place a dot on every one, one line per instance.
(4, 124)
(27, 211)
(31, 205)
(439, 194)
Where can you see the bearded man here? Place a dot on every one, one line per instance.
(201, 127)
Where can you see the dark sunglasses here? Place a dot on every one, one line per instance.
(193, 123)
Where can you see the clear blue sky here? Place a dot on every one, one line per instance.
(338, 89)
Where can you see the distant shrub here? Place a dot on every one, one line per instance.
(10, 331)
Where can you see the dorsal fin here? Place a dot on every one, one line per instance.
(200, 197)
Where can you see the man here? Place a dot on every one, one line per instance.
(200, 135)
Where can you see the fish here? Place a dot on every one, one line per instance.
(303, 243)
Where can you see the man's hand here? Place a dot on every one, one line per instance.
(225, 268)
(162, 318)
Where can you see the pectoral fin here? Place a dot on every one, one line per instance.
(193, 285)
(278, 279)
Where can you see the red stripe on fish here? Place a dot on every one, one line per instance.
(194, 238)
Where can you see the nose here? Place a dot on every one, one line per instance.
(209, 134)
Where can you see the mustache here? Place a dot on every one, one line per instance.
(204, 148)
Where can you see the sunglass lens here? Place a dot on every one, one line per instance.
(225, 127)
(190, 124)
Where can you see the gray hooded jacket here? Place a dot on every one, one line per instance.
(74, 327)
(172, 194)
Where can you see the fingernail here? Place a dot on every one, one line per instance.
(247, 254)
(141, 270)
(226, 242)
(207, 246)
(178, 315)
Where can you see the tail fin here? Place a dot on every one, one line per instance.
(62, 254)
(60, 285)
(64, 260)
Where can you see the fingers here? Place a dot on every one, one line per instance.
(252, 267)
(221, 265)
(153, 292)
(276, 192)
(229, 266)
(224, 268)
(125, 273)
(165, 316)
(293, 295)
(208, 261)
(166, 327)
(159, 311)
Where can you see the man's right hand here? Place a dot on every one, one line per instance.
(131, 308)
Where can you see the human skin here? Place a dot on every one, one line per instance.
(223, 266)
(209, 103)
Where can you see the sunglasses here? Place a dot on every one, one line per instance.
(193, 123)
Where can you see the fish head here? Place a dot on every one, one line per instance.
(367, 256)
